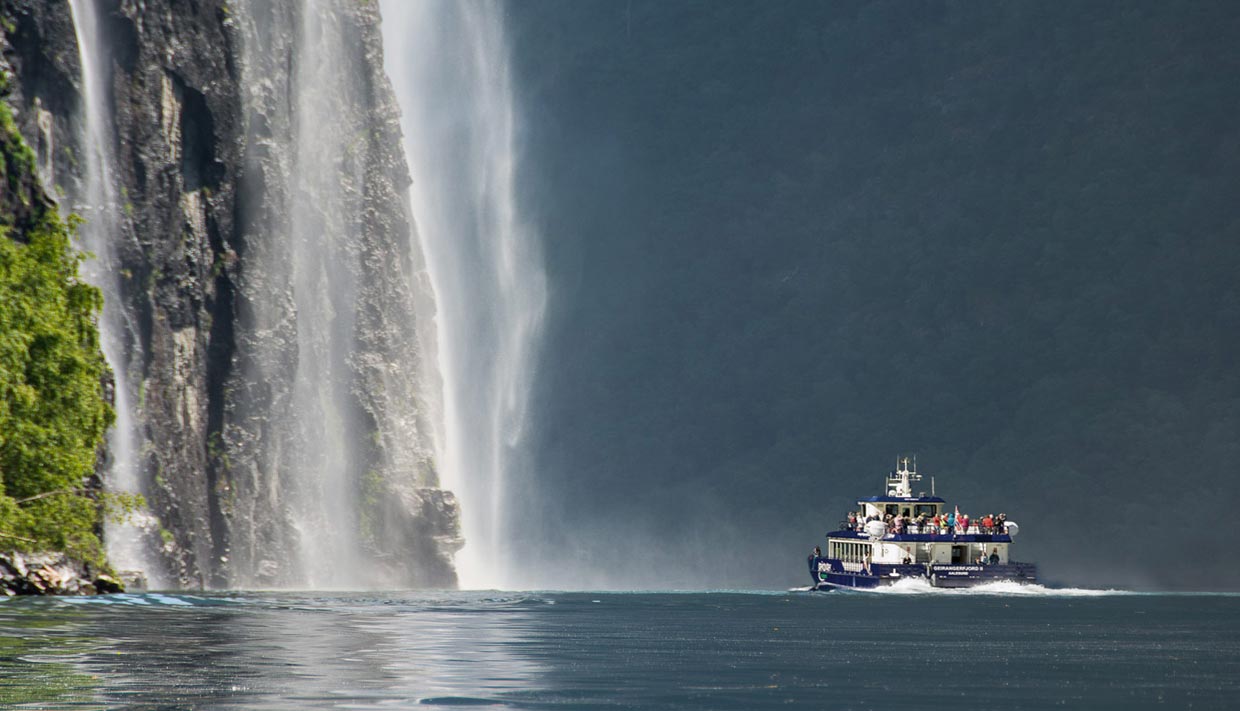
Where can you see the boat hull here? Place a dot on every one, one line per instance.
(939, 576)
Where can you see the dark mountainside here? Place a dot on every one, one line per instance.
(787, 241)
(203, 166)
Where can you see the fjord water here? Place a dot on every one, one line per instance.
(1010, 648)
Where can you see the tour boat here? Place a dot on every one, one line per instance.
(899, 536)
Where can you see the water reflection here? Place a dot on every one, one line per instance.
(643, 651)
(34, 672)
(263, 652)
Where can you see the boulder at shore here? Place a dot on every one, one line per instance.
(52, 574)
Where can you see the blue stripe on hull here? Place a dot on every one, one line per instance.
(941, 576)
(853, 580)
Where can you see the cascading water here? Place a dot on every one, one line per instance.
(95, 199)
(275, 397)
(304, 316)
(448, 62)
(324, 293)
(336, 440)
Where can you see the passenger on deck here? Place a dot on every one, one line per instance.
(964, 523)
(988, 523)
(994, 555)
(1001, 524)
(852, 521)
(814, 559)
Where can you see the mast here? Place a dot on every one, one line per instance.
(900, 482)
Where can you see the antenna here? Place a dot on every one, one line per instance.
(932, 485)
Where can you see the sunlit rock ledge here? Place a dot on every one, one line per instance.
(52, 574)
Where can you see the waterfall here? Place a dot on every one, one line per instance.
(335, 440)
(275, 385)
(95, 199)
(448, 61)
(303, 288)
(324, 293)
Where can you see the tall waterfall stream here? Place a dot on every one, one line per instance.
(449, 65)
(98, 203)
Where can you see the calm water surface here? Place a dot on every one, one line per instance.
(920, 650)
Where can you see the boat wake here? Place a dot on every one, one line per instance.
(918, 586)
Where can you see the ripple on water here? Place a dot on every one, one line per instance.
(269, 651)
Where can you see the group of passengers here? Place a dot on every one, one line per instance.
(982, 559)
(941, 523)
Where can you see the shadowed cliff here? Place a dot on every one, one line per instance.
(786, 242)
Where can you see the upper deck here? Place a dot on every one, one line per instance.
(902, 516)
(974, 535)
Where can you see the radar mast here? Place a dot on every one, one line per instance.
(900, 482)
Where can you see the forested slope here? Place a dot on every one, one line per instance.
(53, 412)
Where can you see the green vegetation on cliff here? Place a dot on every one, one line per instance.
(53, 413)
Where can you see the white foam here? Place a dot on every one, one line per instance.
(921, 586)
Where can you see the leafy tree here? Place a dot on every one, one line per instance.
(53, 412)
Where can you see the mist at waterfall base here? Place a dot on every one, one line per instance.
(786, 242)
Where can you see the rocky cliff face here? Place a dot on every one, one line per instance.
(272, 292)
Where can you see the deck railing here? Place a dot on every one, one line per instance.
(973, 529)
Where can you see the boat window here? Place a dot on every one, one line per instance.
(892, 509)
(927, 509)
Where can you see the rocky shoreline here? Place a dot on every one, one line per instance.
(52, 574)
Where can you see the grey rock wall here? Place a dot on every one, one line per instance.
(206, 130)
